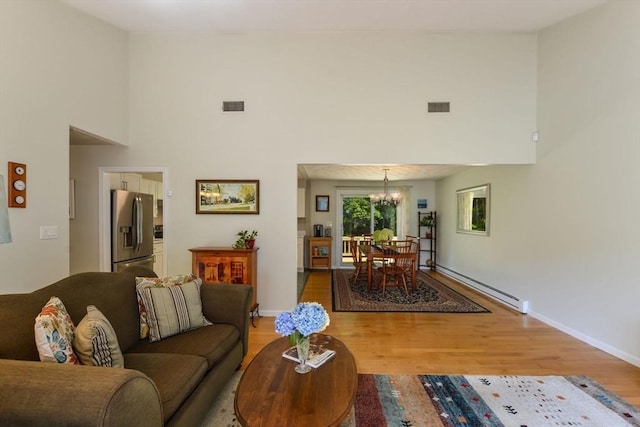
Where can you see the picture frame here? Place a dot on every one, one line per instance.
(227, 196)
(474, 207)
(322, 203)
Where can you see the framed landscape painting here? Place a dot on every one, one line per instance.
(225, 196)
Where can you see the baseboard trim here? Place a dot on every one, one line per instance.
(270, 313)
(494, 293)
(523, 307)
(589, 340)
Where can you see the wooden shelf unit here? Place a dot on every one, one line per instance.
(428, 238)
(320, 253)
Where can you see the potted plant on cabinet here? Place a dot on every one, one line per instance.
(246, 239)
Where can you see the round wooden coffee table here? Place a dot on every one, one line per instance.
(271, 393)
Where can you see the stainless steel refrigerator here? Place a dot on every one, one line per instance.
(131, 229)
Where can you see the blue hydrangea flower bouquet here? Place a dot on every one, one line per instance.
(298, 324)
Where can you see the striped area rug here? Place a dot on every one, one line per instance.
(472, 400)
(469, 400)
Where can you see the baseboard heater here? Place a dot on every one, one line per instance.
(494, 293)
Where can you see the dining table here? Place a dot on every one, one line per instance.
(375, 252)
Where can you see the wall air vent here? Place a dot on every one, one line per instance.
(438, 107)
(232, 106)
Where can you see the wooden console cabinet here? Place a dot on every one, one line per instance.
(227, 265)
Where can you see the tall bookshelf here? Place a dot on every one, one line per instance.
(427, 227)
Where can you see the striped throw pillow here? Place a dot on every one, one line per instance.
(95, 341)
(156, 282)
(173, 309)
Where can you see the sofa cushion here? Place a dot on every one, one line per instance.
(53, 332)
(95, 341)
(212, 342)
(175, 375)
(172, 309)
(158, 282)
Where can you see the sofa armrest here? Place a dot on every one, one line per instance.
(229, 303)
(46, 394)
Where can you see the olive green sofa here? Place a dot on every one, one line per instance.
(171, 382)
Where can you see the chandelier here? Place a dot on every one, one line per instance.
(386, 198)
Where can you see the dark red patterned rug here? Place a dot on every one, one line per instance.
(430, 296)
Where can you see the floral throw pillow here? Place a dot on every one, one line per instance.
(54, 333)
(159, 282)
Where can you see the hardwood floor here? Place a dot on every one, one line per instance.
(502, 342)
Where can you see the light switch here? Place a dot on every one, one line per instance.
(48, 232)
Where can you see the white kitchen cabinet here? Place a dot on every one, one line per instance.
(125, 181)
(301, 203)
(132, 181)
(158, 262)
(114, 181)
(150, 186)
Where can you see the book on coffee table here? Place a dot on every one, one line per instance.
(317, 355)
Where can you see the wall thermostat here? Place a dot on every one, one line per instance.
(17, 185)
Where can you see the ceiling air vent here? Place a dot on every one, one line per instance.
(232, 106)
(438, 107)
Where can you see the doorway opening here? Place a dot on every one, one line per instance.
(104, 210)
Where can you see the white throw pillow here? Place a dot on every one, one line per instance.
(95, 341)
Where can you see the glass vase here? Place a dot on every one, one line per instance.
(302, 345)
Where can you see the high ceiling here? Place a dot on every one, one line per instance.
(304, 16)
(316, 16)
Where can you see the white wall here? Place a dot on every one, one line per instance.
(317, 98)
(350, 98)
(58, 67)
(359, 93)
(84, 237)
(564, 232)
(589, 80)
(503, 257)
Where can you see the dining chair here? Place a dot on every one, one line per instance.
(415, 248)
(358, 262)
(396, 264)
(414, 240)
